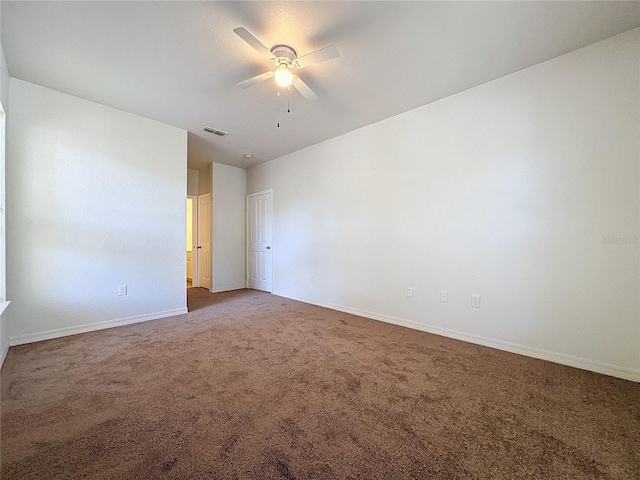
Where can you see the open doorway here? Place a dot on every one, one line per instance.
(192, 236)
(198, 230)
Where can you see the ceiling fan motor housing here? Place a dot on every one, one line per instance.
(284, 51)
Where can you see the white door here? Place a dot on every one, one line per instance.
(204, 240)
(259, 241)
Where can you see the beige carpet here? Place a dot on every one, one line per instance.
(250, 385)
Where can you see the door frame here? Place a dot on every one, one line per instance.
(247, 253)
(195, 281)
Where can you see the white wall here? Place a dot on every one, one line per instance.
(95, 199)
(4, 102)
(192, 182)
(4, 81)
(506, 190)
(4, 73)
(229, 192)
(204, 180)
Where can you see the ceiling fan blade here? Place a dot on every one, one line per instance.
(304, 89)
(257, 79)
(322, 55)
(255, 43)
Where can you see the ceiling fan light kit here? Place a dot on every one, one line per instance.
(283, 75)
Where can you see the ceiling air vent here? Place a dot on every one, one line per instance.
(220, 133)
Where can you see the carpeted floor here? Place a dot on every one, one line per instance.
(250, 385)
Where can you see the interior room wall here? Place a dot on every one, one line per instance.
(4, 102)
(204, 180)
(192, 182)
(95, 200)
(190, 230)
(4, 80)
(524, 190)
(229, 192)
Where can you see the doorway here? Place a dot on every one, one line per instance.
(192, 236)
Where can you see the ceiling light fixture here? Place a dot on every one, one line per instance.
(248, 156)
(283, 75)
(285, 59)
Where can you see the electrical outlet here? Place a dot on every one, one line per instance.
(313, 278)
(475, 301)
(444, 297)
(122, 290)
(410, 292)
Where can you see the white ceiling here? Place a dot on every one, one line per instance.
(178, 62)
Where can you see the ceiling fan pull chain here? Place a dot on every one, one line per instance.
(288, 98)
(278, 106)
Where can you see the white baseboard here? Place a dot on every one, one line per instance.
(564, 359)
(90, 327)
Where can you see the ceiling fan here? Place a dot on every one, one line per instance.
(285, 60)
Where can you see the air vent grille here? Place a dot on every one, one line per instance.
(215, 131)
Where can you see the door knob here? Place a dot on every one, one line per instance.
(268, 248)
(199, 246)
